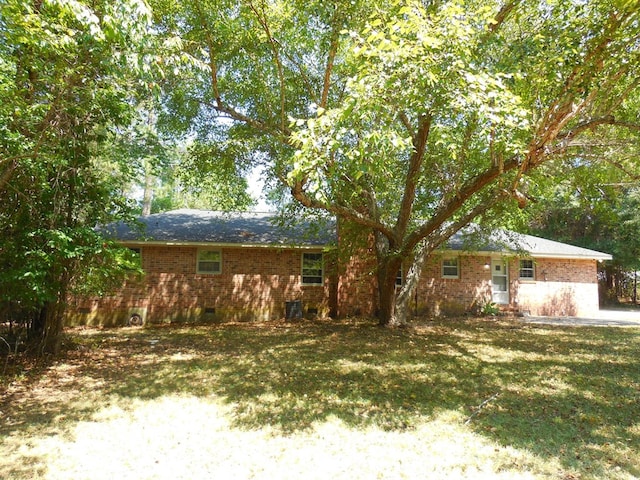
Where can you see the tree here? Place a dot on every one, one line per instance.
(591, 200)
(412, 119)
(597, 214)
(169, 171)
(67, 73)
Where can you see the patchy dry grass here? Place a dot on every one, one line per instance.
(457, 399)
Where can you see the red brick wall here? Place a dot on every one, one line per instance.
(454, 296)
(562, 287)
(357, 286)
(254, 284)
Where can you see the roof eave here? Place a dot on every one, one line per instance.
(157, 243)
(601, 257)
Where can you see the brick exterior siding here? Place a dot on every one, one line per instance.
(561, 287)
(454, 296)
(256, 283)
(357, 286)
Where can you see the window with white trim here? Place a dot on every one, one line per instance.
(209, 261)
(527, 269)
(450, 267)
(399, 278)
(312, 269)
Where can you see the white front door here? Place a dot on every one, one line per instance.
(499, 282)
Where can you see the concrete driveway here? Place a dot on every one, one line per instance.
(599, 318)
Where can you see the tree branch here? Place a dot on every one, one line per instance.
(282, 135)
(262, 19)
(298, 192)
(220, 106)
(479, 182)
(565, 138)
(472, 187)
(213, 67)
(628, 125)
(621, 167)
(7, 173)
(562, 111)
(502, 15)
(450, 229)
(302, 71)
(413, 173)
(407, 123)
(331, 56)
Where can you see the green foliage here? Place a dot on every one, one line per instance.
(69, 74)
(407, 118)
(454, 107)
(590, 204)
(252, 65)
(412, 64)
(213, 179)
(597, 210)
(490, 309)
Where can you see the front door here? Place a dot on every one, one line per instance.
(499, 282)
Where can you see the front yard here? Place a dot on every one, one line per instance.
(341, 400)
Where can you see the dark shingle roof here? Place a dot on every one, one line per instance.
(262, 229)
(511, 242)
(201, 226)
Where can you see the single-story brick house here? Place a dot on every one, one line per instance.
(202, 265)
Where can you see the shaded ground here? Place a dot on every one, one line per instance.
(457, 399)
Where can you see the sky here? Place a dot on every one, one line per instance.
(256, 186)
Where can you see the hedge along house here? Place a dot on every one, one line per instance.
(202, 265)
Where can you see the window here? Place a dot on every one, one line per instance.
(312, 269)
(209, 261)
(134, 259)
(526, 270)
(450, 268)
(399, 277)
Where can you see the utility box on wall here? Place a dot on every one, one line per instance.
(293, 310)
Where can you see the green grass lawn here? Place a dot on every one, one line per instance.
(330, 400)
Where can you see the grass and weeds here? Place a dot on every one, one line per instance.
(446, 399)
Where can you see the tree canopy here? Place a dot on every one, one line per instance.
(69, 72)
(409, 119)
(405, 119)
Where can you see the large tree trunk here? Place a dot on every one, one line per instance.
(46, 328)
(52, 335)
(387, 297)
(48, 321)
(409, 285)
(388, 266)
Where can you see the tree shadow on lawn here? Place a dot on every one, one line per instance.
(573, 393)
(291, 378)
(282, 376)
(559, 393)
